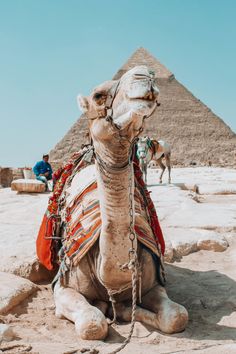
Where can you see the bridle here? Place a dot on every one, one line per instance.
(107, 112)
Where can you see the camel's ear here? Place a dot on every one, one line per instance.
(83, 103)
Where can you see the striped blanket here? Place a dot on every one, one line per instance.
(81, 217)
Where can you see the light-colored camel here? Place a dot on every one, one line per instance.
(116, 112)
(151, 149)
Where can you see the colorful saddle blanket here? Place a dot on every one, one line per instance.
(79, 221)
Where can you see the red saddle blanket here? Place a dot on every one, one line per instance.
(83, 223)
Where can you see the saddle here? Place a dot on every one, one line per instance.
(84, 229)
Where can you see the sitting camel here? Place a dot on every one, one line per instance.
(117, 260)
(151, 149)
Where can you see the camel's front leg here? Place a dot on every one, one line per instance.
(160, 312)
(170, 316)
(162, 166)
(90, 323)
(144, 316)
(167, 157)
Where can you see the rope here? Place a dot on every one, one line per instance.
(133, 266)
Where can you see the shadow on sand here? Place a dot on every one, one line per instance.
(208, 296)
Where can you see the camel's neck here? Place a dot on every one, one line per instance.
(115, 189)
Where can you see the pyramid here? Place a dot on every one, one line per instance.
(195, 134)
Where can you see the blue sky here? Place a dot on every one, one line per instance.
(51, 50)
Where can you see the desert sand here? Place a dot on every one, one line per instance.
(200, 233)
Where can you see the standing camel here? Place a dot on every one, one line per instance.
(151, 149)
(115, 112)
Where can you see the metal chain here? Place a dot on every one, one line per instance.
(134, 270)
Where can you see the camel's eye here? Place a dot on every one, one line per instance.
(97, 96)
(100, 98)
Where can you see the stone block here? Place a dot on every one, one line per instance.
(13, 290)
(28, 186)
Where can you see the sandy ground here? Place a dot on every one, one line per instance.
(203, 281)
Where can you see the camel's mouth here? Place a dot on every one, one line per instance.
(142, 90)
(147, 101)
(150, 96)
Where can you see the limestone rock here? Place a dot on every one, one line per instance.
(219, 189)
(186, 241)
(28, 186)
(13, 290)
(34, 271)
(216, 245)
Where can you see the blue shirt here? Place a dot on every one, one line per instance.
(42, 167)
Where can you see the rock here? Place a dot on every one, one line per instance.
(184, 248)
(13, 290)
(34, 271)
(217, 188)
(185, 241)
(187, 186)
(217, 245)
(28, 185)
(6, 333)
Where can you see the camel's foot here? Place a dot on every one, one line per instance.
(173, 318)
(169, 321)
(160, 181)
(91, 324)
(170, 316)
(169, 181)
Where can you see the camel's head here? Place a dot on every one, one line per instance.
(143, 145)
(121, 105)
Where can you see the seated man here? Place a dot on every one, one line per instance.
(43, 171)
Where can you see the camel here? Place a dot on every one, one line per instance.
(151, 149)
(116, 111)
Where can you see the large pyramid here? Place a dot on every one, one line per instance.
(194, 132)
